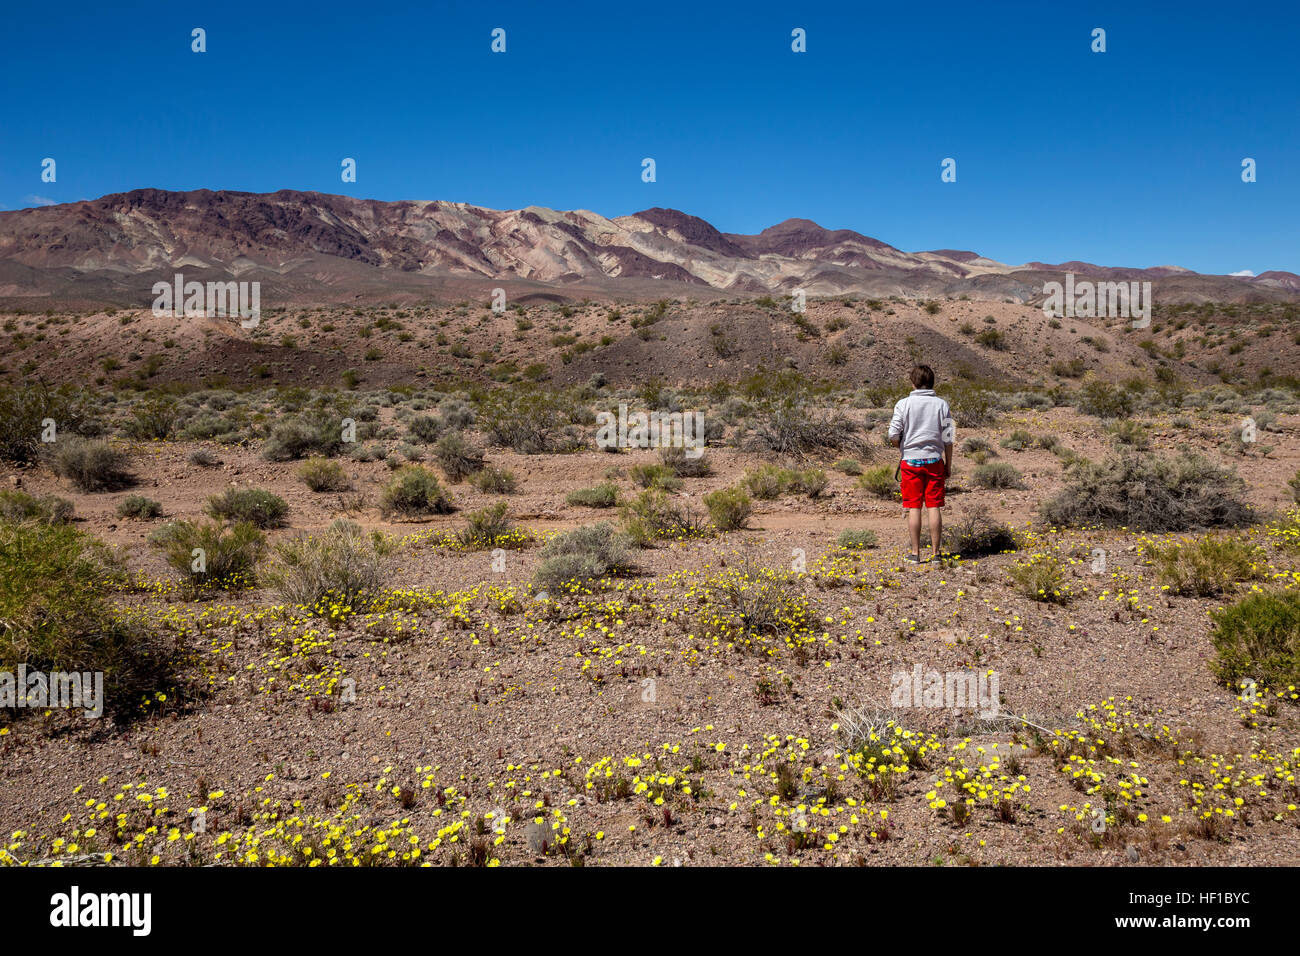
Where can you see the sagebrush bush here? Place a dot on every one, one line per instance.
(656, 475)
(312, 433)
(426, 428)
(56, 613)
(491, 527)
(811, 482)
(457, 456)
(729, 508)
(879, 481)
(848, 466)
(856, 540)
(768, 481)
(1206, 567)
(797, 431)
(1150, 493)
(997, 474)
(604, 495)
(19, 506)
(342, 565)
(23, 412)
(652, 515)
(1258, 638)
(323, 474)
(583, 555)
(139, 507)
(1041, 578)
(492, 480)
(977, 534)
(415, 491)
(258, 506)
(229, 554)
(684, 465)
(95, 465)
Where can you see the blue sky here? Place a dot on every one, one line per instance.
(1128, 157)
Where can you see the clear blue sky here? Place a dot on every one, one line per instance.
(1131, 157)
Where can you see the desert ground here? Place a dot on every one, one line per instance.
(485, 640)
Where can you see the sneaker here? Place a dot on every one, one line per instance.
(914, 558)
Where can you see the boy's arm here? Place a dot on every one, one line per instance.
(896, 425)
(947, 459)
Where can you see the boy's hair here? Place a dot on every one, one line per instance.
(922, 376)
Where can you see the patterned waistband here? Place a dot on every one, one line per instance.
(917, 462)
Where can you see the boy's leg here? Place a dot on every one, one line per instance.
(914, 528)
(936, 527)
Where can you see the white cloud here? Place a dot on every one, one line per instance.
(42, 201)
(1244, 272)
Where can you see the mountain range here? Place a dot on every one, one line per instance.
(308, 246)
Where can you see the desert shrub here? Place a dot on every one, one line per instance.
(152, 421)
(997, 474)
(56, 613)
(1048, 442)
(203, 458)
(312, 433)
(655, 475)
(848, 466)
(604, 495)
(23, 412)
(456, 413)
(426, 428)
(768, 481)
(1149, 493)
(811, 482)
(1130, 433)
(1018, 440)
(879, 481)
(1104, 400)
(583, 555)
(342, 566)
(322, 474)
(492, 480)
(1206, 567)
(748, 602)
(977, 534)
(530, 422)
(729, 508)
(972, 406)
(1258, 638)
(993, 339)
(682, 464)
(95, 465)
(229, 553)
(261, 508)
(491, 527)
(796, 431)
(19, 506)
(414, 491)
(139, 507)
(653, 515)
(457, 456)
(973, 444)
(856, 540)
(1041, 578)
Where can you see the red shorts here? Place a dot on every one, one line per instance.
(922, 483)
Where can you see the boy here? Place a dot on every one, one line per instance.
(922, 430)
